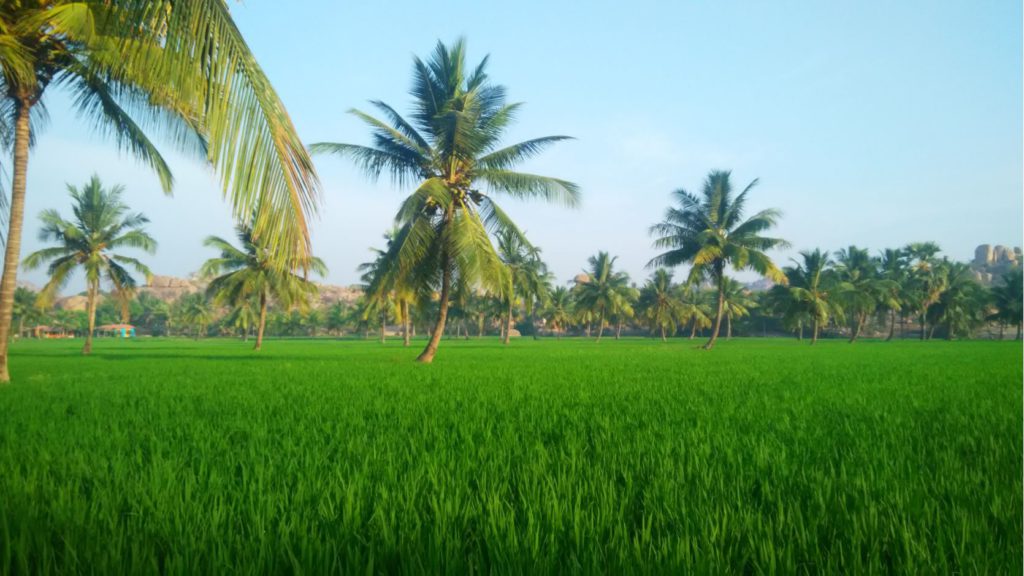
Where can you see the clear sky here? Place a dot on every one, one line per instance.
(871, 123)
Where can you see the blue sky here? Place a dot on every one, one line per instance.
(868, 123)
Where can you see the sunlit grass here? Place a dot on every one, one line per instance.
(542, 457)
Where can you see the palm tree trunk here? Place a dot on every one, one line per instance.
(600, 326)
(663, 339)
(12, 253)
(814, 332)
(480, 326)
(427, 356)
(405, 324)
(508, 323)
(91, 311)
(719, 314)
(931, 331)
(618, 329)
(1018, 331)
(858, 325)
(383, 323)
(892, 324)
(263, 322)
(924, 321)
(728, 326)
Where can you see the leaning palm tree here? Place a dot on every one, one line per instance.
(171, 66)
(605, 293)
(709, 233)
(101, 225)
(450, 146)
(257, 271)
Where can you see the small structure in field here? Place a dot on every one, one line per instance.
(116, 330)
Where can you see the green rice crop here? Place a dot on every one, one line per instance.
(632, 456)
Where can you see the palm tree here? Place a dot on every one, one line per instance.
(526, 278)
(861, 288)
(379, 301)
(101, 225)
(698, 307)
(559, 309)
(1008, 298)
(659, 306)
(926, 281)
(194, 310)
(605, 292)
(451, 147)
(893, 266)
(26, 309)
(181, 68)
(737, 304)
(243, 317)
(809, 294)
(961, 307)
(257, 271)
(709, 233)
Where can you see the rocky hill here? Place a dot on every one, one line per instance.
(991, 262)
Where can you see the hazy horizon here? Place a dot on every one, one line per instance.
(872, 124)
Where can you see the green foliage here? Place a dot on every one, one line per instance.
(543, 458)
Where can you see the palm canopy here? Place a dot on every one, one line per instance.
(101, 224)
(255, 270)
(451, 147)
(177, 68)
(709, 232)
(810, 293)
(659, 304)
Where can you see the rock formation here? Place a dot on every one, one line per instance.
(991, 262)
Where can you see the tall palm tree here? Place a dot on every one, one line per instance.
(181, 68)
(709, 233)
(605, 292)
(101, 225)
(659, 306)
(451, 147)
(1008, 299)
(259, 272)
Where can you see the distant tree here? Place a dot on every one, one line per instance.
(1008, 299)
(336, 319)
(659, 306)
(152, 313)
(893, 265)
(809, 294)
(961, 308)
(738, 304)
(559, 310)
(698, 307)
(709, 233)
(926, 281)
(256, 271)
(526, 280)
(195, 311)
(861, 289)
(451, 147)
(101, 225)
(605, 292)
(26, 310)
